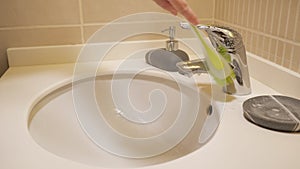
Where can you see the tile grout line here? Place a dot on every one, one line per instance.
(283, 57)
(223, 10)
(256, 11)
(259, 14)
(272, 18)
(220, 12)
(238, 18)
(243, 13)
(269, 49)
(292, 57)
(288, 19)
(232, 11)
(81, 21)
(276, 51)
(226, 10)
(237, 11)
(248, 15)
(253, 15)
(297, 20)
(266, 16)
(251, 40)
(39, 27)
(279, 18)
(214, 9)
(264, 45)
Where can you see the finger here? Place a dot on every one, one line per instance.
(166, 5)
(183, 8)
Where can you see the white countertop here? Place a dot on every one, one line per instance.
(237, 143)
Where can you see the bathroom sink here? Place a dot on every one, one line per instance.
(156, 119)
(134, 116)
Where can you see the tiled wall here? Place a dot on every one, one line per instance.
(58, 22)
(271, 28)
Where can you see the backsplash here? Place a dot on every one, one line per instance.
(270, 27)
(60, 22)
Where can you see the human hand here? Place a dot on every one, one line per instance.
(179, 6)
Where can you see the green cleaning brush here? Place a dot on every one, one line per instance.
(217, 62)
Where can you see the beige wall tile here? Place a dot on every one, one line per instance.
(270, 28)
(95, 11)
(287, 55)
(279, 52)
(248, 40)
(260, 42)
(147, 37)
(297, 27)
(203, 8)
(40, 36)
(35, 37)
(242, 32)
(37, 12)
(254, 43)
(295, 65)
(273, 50)
(266, 47)
(90, 30)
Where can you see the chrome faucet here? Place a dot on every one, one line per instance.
(223, 37)
(226, 41)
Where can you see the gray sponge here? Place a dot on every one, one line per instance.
(274, 112)
(166, 60)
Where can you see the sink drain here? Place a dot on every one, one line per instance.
(209, 110)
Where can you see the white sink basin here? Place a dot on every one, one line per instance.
(162, 117)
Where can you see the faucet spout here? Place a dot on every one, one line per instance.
(189, 68)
